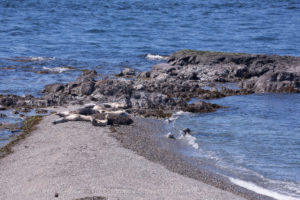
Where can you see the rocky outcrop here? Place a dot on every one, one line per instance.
(260, 73)
(169, 86)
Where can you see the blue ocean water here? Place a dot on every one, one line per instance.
(47, 41)
(256, 139)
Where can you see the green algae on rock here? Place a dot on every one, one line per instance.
(29, 126)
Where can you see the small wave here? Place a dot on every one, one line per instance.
(264, 38)
(175, 116)
(156, 57)
(191, 140)
(95, 31)
(57, 69)
(260, 190)
(30, 59)
(179, 113)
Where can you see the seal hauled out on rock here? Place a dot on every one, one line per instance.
(99, 115)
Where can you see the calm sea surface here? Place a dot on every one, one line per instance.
(47, 41)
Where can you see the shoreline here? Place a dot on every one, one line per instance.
(152, 94)
(146, 138)
(64, 160)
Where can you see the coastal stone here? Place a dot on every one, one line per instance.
(169, 86)
(24, 109)
(127, 72)
(87, 76)
(41, 111)
(201, 106)
(275, 73)
(7, 101)
(53, 88)
(2, 115)
(86, 88)
(144, 75)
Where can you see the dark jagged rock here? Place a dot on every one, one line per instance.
(8, 101)
(201, 106)
(87, 76)
(53, 88)
(86, 88)
(169, 86)
(261, 73)
(41, 111)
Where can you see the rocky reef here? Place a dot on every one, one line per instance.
(259, 73)
(169, 86)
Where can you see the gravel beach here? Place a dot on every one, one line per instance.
(75, 160)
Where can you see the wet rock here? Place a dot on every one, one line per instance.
(2, 115)
(87, 76)
(163, 68)
(15, 112)
(41, 111)
(127, 72)
(274, 82)
(115, 88)
(24, 109)
(201, 106)
(53, 88)
(147, 100)
(86, 88)
(273, 73)
(157, 113)
(144, 75)
(7, 101)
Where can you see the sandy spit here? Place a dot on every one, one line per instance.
(75, 160)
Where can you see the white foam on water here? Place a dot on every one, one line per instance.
(191, 140)
(181, 113)
(38, 58)
(57, 69)
(156, 57)
(175, 116)
(30, 59)
(260, 190)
